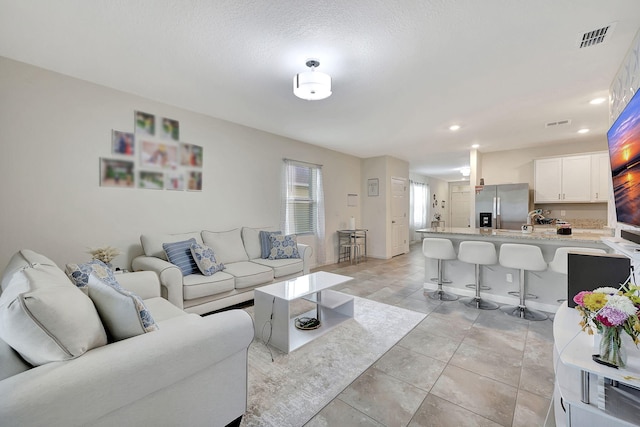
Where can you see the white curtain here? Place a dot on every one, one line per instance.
(418, 197)
(302, 199)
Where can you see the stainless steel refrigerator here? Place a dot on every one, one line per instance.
(508, 205)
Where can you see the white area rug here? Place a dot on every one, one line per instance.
(296, 386)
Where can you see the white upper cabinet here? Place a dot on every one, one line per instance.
(570, 179)
(600, 175)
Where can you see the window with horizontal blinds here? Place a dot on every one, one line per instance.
(301, 198)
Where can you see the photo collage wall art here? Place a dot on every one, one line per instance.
(152, 157)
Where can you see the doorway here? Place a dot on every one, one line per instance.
(460, 204)
(399, 224)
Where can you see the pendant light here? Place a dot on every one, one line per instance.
(312, 85)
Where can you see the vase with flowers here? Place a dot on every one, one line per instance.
(610, 312)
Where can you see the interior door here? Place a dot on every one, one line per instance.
(460, 205)
(399, 216)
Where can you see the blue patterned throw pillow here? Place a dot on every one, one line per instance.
(265, 243)
(79, 274)
(205, 259)
(283, 247)
(179, 253)
(122, 312)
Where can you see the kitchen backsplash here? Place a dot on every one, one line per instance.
(591, 223)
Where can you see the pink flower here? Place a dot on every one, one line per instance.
(578, 298)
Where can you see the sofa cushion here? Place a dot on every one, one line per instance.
(161, 309)
(282, 267)
(265, 243)
(10, 362)
(283, 247)
(251, 237)
(152, 243)
(227, 245)
(248, 274)
(197, 285)
(179, 254)
(20, 260)
(45, 318)
(205, 259)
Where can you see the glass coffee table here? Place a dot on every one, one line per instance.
(272, 309)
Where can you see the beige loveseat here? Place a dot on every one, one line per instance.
(185, 371)
(238, 249)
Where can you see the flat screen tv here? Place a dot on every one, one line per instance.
(624, 154)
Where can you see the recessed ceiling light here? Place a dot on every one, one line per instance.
(454, 127)
(597, 101)
(583, 131)
(475, 146)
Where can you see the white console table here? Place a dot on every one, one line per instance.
(581, 397)
(272, 311)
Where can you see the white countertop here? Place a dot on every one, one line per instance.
(539, 233)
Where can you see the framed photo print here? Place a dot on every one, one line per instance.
(158, 154)
(145, 123)
(122, 142)
(151, 180)
(194, 181)
(116, 173)
(191, 155)
(170, 129)
(372, 187)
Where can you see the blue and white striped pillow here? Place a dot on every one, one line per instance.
(179, 253)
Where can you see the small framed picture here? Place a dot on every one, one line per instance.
(372, 187)
(170, 129)
(122, 142)
(151, 180)
(174, 180)
(194, 181)
(116, 173)
(145, 123)
(158, 154)
(191, 155)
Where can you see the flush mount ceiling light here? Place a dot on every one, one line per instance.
(475, 146)
(312, 85)
(465, 171)
(454, 127)
(597, 101)
(583, 130)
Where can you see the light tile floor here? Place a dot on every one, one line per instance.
(459, 367)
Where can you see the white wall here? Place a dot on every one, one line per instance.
(54, 130)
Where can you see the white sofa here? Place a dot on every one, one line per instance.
(191, 371)
(238, 249)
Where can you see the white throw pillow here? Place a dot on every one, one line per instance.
(227, 245)
(123, 313)
(47, 319)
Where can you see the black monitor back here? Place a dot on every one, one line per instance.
(586, 272)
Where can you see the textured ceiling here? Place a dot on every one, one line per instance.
(402, 71)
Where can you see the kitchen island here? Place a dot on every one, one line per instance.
(549, 286)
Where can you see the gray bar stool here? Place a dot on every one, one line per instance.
(440, 249)
(560, 261)
(478, 253)
(523, 258)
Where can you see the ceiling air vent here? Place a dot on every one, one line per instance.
(594, 37)
(558, 123)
